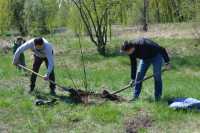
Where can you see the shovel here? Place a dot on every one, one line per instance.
(107, 94)
(72, 91)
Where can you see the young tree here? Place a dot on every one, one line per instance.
(155, 5)
(145, 16)
(17, 19)
(4, 15)
(95, 16)
(38, 15)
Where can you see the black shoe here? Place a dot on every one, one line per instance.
(134, 99)
(32, 87)
(157, 99)
(31, 91)
(52, 93)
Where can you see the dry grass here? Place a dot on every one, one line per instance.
(179, 30)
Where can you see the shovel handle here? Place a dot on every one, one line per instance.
(39, 75)
(27, 69)
(137, 82)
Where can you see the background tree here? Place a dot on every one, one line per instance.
(155, 4)
(145, 16)
(39, 15)
(36, 17)
(4, 15)
(95, 16)
(17, 19)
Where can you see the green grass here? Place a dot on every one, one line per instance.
(19, 114)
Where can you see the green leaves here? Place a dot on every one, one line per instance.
(4, 15)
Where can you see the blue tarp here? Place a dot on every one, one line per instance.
(185, 103)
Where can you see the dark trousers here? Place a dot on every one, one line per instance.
(21, 61)
(36, 66)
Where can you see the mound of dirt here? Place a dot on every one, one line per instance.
(106, 94)
(140, 121)
(80, 96)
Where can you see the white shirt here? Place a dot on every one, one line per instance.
(46, 52)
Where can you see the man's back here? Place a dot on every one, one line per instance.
(43, 53)
(146, 49)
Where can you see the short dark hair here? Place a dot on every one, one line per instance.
(19, 38)
(127, 45)
(38, 41)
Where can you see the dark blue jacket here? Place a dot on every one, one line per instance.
(145, 49)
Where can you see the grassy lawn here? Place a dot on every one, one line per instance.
(19, 114)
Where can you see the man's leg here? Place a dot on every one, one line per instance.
(22, 61)
(157, 70)
(36, 66)
(142, 69)
(51, 77)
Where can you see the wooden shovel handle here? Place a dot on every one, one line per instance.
(137, 82)
(39, 75)
(30, 71)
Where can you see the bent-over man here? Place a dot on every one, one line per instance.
(149, 53)
(43, 52)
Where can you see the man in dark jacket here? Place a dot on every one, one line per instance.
(149, 53)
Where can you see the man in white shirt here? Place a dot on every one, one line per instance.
(43, 51)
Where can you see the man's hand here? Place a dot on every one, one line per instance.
(168, 66)
(46, 77)
(15, 63)
(131, 82)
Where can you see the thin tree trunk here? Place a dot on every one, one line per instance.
(145, 16)
(177, 12)
(101, 50)
(157, 11)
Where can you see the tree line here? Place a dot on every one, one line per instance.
(92, 17)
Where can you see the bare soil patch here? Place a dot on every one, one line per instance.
(141, 120)
(5, 46)
(80, 96)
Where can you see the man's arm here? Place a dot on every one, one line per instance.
(14, 48)
(50, 58)
(133, 66)
(164, 54)
(162, 50)
(20, 50)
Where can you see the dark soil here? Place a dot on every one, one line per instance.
(106, 94)
(80, 96)
(142, 120)
(77, 96)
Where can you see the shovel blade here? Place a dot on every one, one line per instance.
(106, 94)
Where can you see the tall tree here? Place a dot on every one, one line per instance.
(145, 16)
(17, 19)
(155, 5)
(38, 15)
(176, 5)
(95, 16)
(4, 15)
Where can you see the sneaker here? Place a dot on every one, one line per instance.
(134, 99)
(157, 99)
(52, 93)
(31, 90)
(32, 87)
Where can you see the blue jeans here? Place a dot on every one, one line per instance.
(142, 69)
